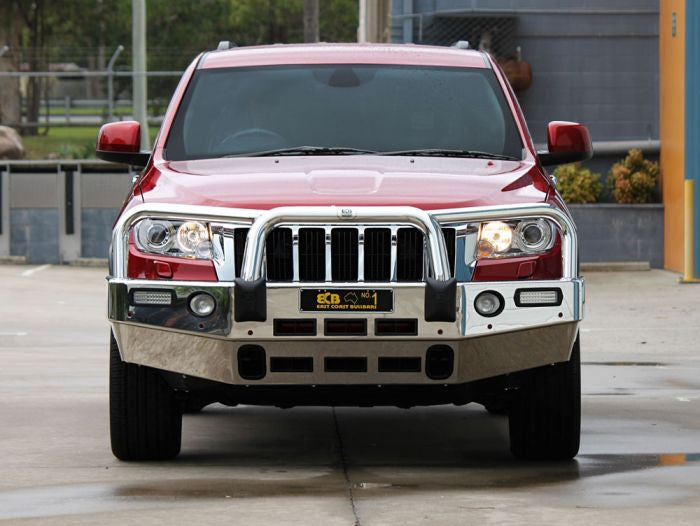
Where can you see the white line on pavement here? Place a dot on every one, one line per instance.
(13, 333)
(32, 271)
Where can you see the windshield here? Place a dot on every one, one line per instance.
(344, 109)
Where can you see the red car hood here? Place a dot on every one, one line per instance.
(268, 182)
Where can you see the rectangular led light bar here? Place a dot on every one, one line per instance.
(152, 297)
(538, 297)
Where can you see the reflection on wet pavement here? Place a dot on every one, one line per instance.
(389, 453)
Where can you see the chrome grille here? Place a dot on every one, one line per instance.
(344, 254)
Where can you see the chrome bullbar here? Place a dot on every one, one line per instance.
(262, 222)
(518, 337)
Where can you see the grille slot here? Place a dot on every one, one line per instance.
(345, 327)
(312, 254)
(396, 327)
(279, 255)
(377, 254)
(450, 242)
(409, 255)
(344, 254)
(345, 365)
(399, 364)
(292, 327)
(282, 364)
(239, 237)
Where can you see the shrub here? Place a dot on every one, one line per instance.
(634, 179)
(578, 184)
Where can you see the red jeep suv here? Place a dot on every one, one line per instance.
(344, 225)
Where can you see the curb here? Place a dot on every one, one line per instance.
(89, 262)
(616, 266)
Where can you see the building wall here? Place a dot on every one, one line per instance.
(593, 61)
(672, 106)
(692, 139)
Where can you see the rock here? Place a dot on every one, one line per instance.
(10, 144)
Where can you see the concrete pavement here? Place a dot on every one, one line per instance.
(639, 461)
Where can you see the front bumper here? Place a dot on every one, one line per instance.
(173, 339)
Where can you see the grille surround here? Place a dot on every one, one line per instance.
(344, 253)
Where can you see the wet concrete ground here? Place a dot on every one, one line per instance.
(639, 461)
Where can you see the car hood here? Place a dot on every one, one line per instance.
(268, 182)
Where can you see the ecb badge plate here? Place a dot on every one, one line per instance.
(346, 300)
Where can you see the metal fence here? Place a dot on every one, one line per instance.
(59, 211)
(65, 97)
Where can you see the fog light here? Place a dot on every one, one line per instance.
(152, 297)
(489, 303)
(202, 304)
(538, 297)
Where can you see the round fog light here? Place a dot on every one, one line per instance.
(202, 304)
(489, 303)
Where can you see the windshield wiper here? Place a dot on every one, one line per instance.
(438, 152)
(306, 150)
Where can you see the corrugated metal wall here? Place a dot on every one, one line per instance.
(593, 61)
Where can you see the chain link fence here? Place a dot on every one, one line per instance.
(494, 34)
(79, 86)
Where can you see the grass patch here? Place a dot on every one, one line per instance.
(74, 142)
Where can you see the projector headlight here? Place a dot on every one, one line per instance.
(155, 236)
(533, 236)
(189, 239)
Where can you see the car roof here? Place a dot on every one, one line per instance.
(394, 54)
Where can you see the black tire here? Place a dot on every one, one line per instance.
(545, 415)
(145, 416)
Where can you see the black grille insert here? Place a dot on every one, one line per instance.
(239, 237)
(312, 254)
(399, 364)
(345, 364)
(279, 255)
(377, 254)
(284, 364)
(344, 254)
(409, 255)
(449, 235)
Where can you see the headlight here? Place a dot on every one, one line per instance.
(155, 236)
(191, 235)
(174, 238)
(515, 238)
(533, 236)
(496, 236)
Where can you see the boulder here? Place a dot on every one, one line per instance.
(10, 144)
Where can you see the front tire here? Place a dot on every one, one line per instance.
(545, 415)
(145, 416)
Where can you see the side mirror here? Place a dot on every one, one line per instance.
(567, 142)
(120, 142)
